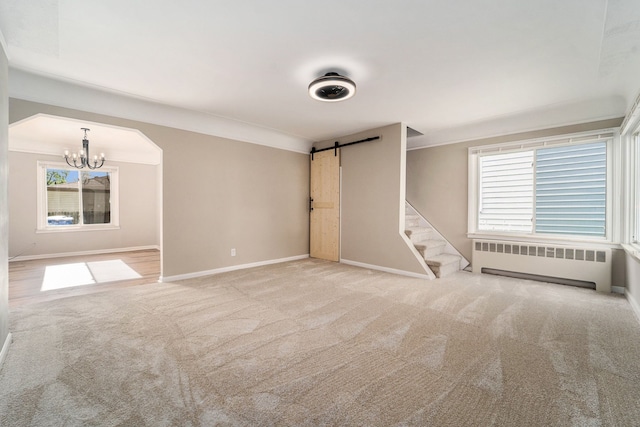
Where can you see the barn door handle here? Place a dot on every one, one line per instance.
(310, 203)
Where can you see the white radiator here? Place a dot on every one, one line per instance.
(563, 262)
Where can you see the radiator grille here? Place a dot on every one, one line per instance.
(563, 262)
(543, 251)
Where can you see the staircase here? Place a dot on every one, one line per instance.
(431, 246)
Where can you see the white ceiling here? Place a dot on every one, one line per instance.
(453, 70)
(53, 135)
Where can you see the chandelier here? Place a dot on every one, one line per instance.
(82, 159)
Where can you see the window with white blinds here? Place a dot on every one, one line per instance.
(543, 188)
(571, 190)
(506, 192)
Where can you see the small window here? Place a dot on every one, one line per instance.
(72, 199)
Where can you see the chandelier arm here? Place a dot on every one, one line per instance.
(84, 156)
(75, 163)
(95, 164)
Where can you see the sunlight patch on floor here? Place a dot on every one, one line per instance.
(89, 273)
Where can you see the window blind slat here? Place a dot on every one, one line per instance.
(506, 192)
(559, 188)
(571, 174)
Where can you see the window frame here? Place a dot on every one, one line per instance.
(633, 188)
(41, 183)
(612, 225)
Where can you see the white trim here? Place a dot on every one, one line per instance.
(41, 191)
(554, 140)
(612, 226)
(230, 268)
(632, 251)
(152, 154)
(482, 131)
(3, 43)
(449, 248)
(5, 349)
(30, 86)
(618, 290)
(385, 269)
(543, 239)
(634, 305)
(78, 228)
(412, 247)
(629, 143)
(93, 252)
(632, 117)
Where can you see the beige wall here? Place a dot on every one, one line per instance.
(217, 194)
(372, 198)
(138, 211)
(4, 211)
(437, 181)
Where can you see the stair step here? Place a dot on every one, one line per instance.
(430, 248)
(443, 259)
(418, 234)
(444, 264)
(411, 221)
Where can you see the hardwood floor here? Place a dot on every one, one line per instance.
(26, 278)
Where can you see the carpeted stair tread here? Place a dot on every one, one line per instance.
(415, 230)
(430, 243)
(418, 234)
(444, 264)
(430, 247)
(442, 259)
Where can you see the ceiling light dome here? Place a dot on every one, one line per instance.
(332, 87)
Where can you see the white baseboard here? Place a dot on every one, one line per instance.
(385, 269)
(5, 349)
(618, 290)
(230, 268)
(634, 305)
(96, 252)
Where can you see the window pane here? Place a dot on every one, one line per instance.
(96, 196)
(506, 192)
(571, 184)
(63, 203)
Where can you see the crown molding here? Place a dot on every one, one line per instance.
(68, 94)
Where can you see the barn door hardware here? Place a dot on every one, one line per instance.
(337, 145)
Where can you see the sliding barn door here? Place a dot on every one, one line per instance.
(324, 219)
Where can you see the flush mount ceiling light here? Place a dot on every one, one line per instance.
(332, 87)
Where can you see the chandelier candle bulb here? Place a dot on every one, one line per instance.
(84, 156)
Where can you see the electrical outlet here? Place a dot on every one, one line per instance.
(233, 252)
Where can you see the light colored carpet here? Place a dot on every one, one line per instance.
(313, 343)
